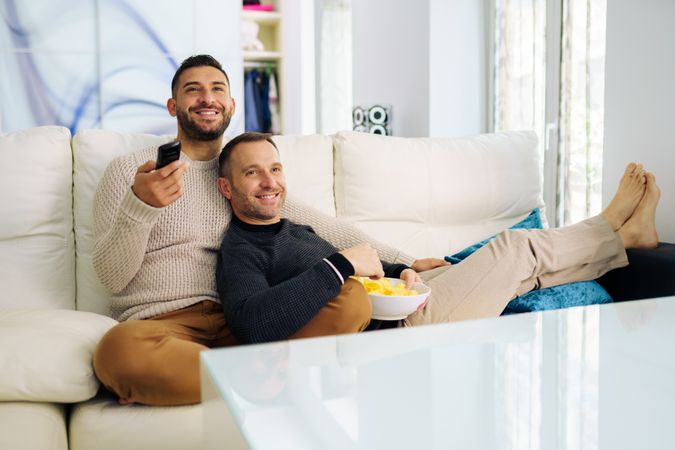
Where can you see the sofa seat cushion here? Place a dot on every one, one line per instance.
(102, 424)
(435, 196)
(31, 426)
(46, 355)
(37, 249)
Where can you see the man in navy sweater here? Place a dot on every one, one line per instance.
(277, 279)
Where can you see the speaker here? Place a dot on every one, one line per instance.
(358, 117)
(378, 115)
(374, 119)
(378, 129)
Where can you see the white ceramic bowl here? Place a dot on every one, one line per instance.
(396, 307)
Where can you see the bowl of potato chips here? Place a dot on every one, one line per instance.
(390, 298)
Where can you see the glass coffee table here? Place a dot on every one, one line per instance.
(598, 377)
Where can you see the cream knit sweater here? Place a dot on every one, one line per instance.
(158, 260)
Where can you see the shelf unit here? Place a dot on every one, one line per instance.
(261, 56)
(270, 25)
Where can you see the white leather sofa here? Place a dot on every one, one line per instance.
(429, 197)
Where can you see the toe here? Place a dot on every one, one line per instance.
(652, 187)
(630, 168)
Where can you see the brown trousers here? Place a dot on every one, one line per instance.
(156, 361)
(516, 262)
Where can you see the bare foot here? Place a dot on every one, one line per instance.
(627, 197)
(640, 230)
(124, 401)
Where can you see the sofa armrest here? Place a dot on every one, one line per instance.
(651, 273)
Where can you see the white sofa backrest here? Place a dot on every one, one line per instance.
(308, 162)
(435, 196)
(308, 165)
(429, 197)
(37, 258)
(92, 151)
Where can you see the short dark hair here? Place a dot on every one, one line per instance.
(226, 153)
(195, 61)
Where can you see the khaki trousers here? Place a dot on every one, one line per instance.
(516, 262)
(156, 361)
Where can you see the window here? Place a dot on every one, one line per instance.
(549, 59)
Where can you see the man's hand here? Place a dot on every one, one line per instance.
(422, 265)
(410, 277)
(365, 261)
(161, 187)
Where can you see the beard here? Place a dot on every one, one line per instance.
(194, 131)
(253, 211)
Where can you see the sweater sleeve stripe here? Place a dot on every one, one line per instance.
(341, 265)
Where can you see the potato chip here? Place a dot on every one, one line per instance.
(384, 287)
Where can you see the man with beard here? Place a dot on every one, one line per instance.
(157, 234)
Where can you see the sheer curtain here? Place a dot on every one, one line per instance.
(522, 87)
(520, 65)
(335, 87)
(582, 98)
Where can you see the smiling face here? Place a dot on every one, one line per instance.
(202, 104)
(255, 184)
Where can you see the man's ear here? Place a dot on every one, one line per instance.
(224, 187)
(171, 107)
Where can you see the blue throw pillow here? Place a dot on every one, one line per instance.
(574, 294)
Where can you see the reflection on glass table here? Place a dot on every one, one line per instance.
(597, 377)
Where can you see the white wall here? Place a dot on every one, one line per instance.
(458, 58)
(640, 98)
(391, 60)
(428, 59)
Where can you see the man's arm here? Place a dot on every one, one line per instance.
(127, 204)
(257, 312)
(340, 233)
(122, 225)
(393, 270)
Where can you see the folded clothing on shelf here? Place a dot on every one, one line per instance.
(257, 7)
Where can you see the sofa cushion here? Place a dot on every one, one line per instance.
(92, 151)
(31, 426)
(434, 196)
(581, 293)
(102, 424)
(308, 166)
(37, 252)
(46, 355)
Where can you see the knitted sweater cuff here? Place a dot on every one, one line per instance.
(138, 210)
(341, 265)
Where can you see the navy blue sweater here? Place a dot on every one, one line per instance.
(272, 279)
